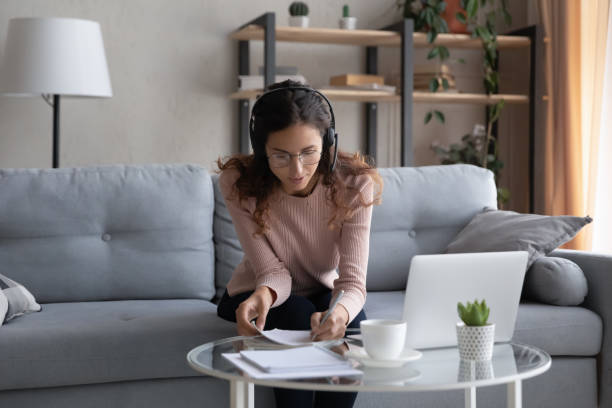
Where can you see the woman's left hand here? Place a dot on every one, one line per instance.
(333, 328)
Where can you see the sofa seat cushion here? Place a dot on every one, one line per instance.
(559, 330)
(97, 342)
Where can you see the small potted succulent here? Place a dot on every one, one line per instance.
(346, 22)
(298, 12)
(475, 336)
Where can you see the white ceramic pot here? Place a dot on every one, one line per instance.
(298, 21)
(475, 342)
(348, 23)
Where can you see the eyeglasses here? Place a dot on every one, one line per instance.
(308, 157)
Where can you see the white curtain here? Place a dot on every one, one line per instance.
(602, 227)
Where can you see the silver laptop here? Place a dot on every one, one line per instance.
(437, 282)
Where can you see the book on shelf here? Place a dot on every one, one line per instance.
(432, 69)
(250, 82)
(356, 79)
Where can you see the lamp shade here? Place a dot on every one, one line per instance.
(59, 56)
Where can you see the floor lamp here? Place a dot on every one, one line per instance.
(54, 57)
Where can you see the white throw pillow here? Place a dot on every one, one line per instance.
(3, 306)
(20, 301)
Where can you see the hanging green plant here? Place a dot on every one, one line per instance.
(427, 16)
(482, 150)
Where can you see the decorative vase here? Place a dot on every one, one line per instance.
(298, 21)
(348, 23)
(475, 342)
(452, 8)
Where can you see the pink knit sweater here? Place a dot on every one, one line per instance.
(298, 253)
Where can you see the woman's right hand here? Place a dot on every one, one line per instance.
(256, 306)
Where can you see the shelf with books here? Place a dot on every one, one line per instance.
(400, 35)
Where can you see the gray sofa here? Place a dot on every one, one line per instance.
(127, 261)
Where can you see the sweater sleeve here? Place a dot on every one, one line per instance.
(354, 251)
(268, 269)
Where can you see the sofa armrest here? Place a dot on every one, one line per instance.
(598, 271)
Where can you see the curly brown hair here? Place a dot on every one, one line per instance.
(279, 111)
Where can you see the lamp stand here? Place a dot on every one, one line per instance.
(56, 135)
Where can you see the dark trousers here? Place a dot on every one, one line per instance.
(294, 314)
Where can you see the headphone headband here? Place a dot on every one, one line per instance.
(330, 138)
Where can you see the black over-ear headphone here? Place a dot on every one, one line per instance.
(329, 139)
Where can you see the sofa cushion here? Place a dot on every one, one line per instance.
(495, 230)
(559, 330)
(422, 210)
(109, 232)
(555, 281)
(96, 342)
(228, 251)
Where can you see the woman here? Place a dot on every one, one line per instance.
(299, 214)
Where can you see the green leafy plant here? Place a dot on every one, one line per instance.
(483, 151)
(298, 8)
(345, 11)
(427, 17)
(487, 33)
(474, 314)
(473, 149)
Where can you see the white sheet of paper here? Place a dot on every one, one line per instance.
(254, 372)
(288, 337)
(294, 338)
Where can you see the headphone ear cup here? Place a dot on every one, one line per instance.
(329, 137)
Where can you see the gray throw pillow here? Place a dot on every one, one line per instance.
(20, 300)
(495, 230)
(555, 281)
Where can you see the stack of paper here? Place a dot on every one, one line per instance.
(300, 362)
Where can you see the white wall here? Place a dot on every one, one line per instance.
(172, 67)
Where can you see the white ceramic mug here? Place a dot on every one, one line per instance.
(383, 339)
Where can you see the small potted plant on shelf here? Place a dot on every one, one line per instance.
(346, 22)
(475, 336)
(298, 12)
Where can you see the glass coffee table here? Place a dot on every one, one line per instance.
(436, 370)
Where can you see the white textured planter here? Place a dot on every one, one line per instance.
(298, 21)
(475, 342)
(348, 23)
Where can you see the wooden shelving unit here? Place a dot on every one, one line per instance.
(378, 38)
(399, 35)
(381, 96)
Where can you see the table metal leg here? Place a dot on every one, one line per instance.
(515, 394)
(470, 397)
(242, 394)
